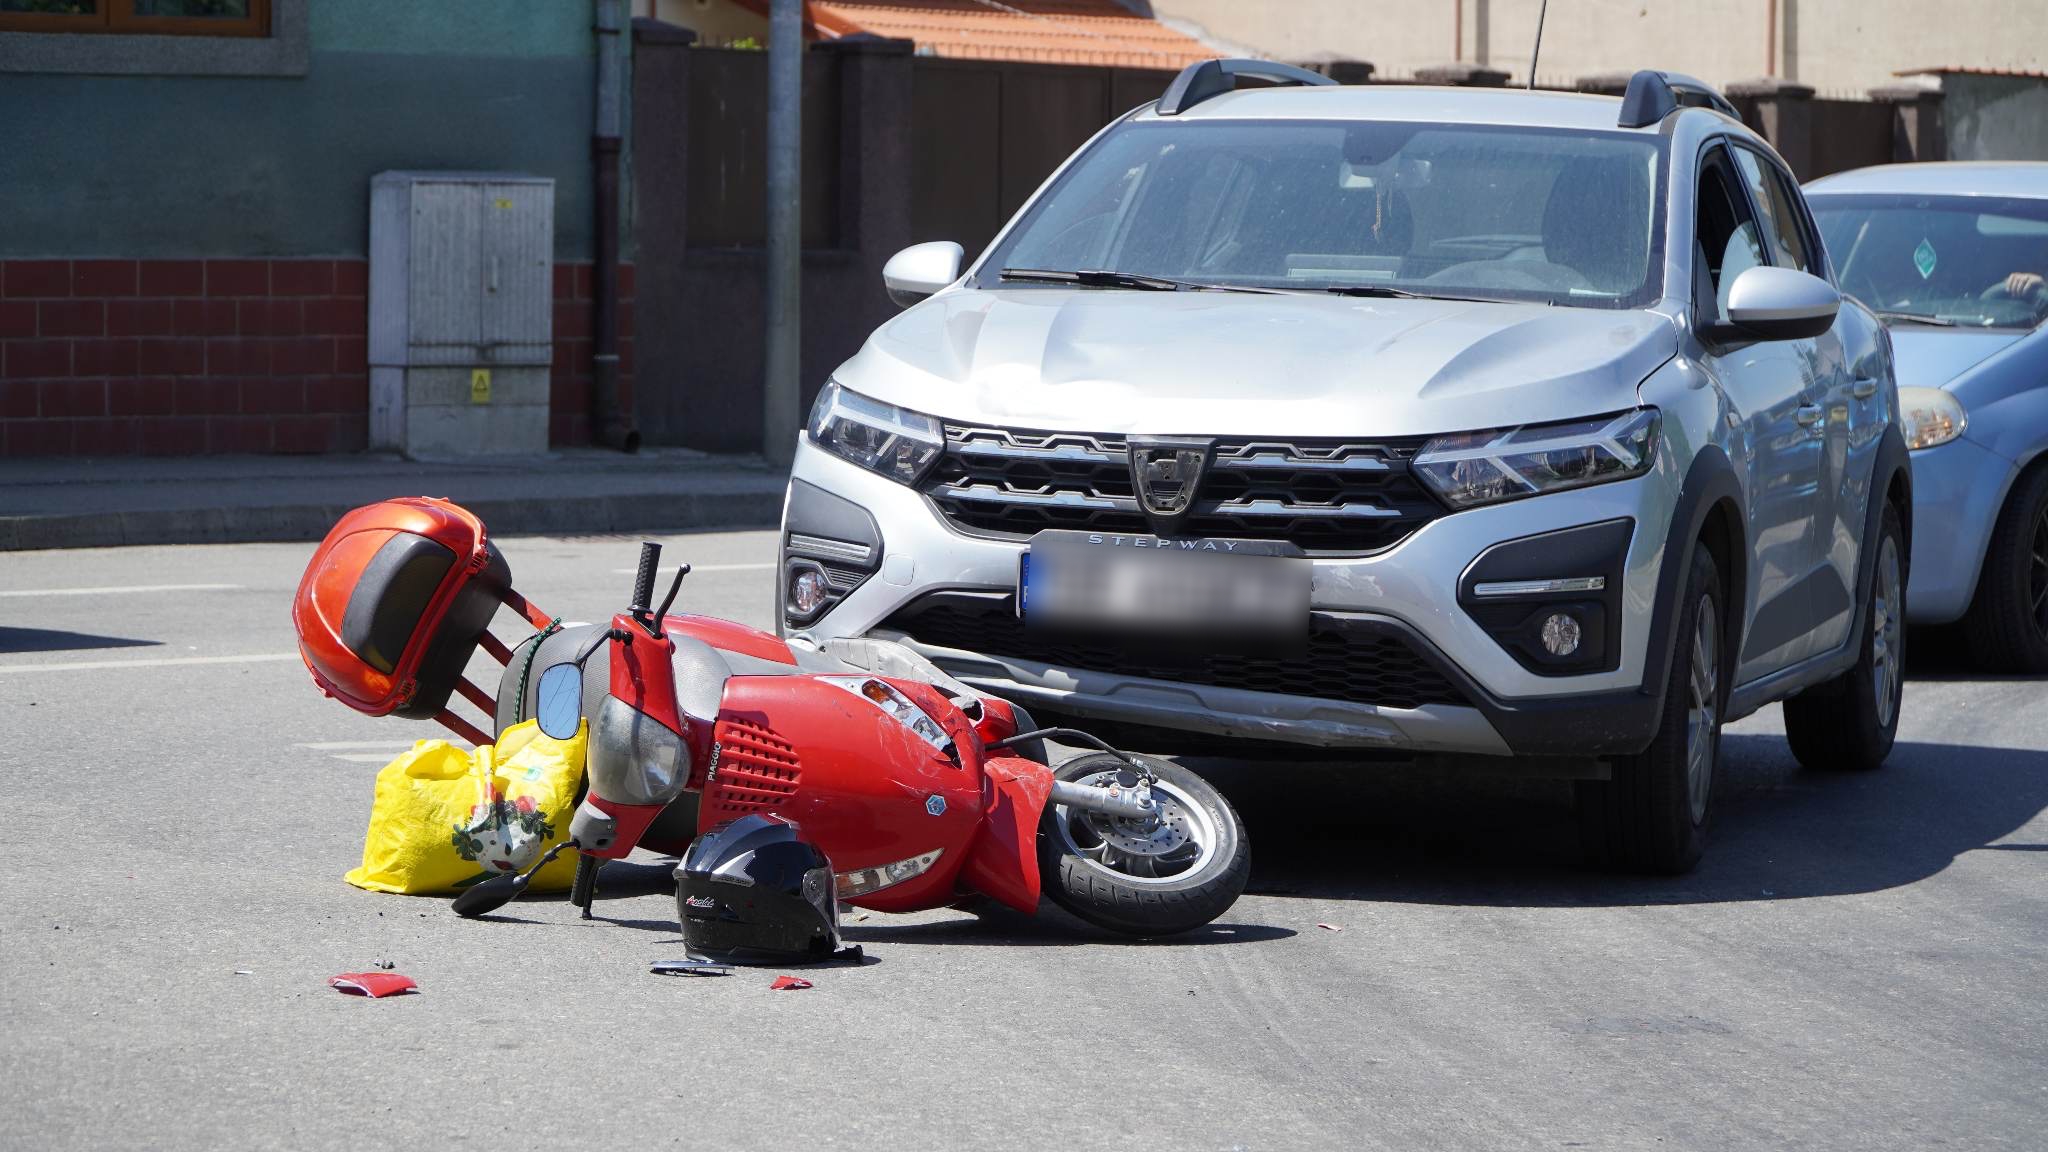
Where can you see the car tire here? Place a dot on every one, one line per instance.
(2007, 624)
(1652, 813)
(1849, 722)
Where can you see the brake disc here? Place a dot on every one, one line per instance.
(1141, 837)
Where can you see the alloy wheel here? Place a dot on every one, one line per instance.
(1886, 625)
(1181, 841)
(2037, 572)
(1703, 707)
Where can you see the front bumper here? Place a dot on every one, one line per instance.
(1407, 594)
(1958, 489)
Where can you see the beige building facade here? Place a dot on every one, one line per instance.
(1838, 47)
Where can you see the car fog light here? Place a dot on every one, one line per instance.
(807, 589)
(1560, 634)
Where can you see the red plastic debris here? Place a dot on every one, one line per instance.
(373, 984)
(1331, 927)
(790, 982)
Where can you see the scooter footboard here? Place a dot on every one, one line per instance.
(1003, 863)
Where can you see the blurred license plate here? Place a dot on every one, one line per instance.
(1246, 593)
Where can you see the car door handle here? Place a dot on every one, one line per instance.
(1864, 388)
(1809, 414)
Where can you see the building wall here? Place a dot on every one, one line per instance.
(182, 258)
(1836, 46)
(1996, 117)
(717, 23)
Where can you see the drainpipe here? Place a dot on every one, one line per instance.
(1771, 38)
(611, 423)
(782, 384)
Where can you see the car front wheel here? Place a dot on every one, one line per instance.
(1651, 814)
(2007, 624)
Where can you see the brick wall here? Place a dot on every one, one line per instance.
(185, 357)
(569, 399)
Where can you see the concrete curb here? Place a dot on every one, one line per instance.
(577, 515)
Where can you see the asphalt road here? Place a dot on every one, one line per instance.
(1860, 963)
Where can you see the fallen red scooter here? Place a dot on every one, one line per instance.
(919, 789)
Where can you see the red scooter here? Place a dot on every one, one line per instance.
(919, 789)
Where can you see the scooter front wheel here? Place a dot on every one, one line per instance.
(1152, 877)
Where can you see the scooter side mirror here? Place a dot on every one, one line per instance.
(558, 703)
(490, 895)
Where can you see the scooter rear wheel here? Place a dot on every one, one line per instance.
(1153, 879)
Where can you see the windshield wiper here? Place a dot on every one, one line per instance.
(1103, 278)
(1915, 318)
(1381, 291)
(1093, 278)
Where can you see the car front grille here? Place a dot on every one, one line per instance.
(1330, 497)
(1344, 660)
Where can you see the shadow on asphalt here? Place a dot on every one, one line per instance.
(55, 640)
(990, 924)
(997, 926)
(1780, 832)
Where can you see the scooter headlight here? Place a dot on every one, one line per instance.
(895, 442)
(634, 758)
(863, 881)
(896, 706)
(1473, 468)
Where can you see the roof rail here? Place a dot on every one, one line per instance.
(1198, 82)
(1652, 96)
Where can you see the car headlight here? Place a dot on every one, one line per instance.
(895, 442)
(1472, 468)
(1930, 417)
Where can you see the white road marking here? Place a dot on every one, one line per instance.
(342, 745)
(696, 568)
(160, 662)
(121, 590)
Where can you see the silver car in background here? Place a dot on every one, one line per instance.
(1954, 259)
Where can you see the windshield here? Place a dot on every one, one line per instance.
(1978, 261)
(1559, 217)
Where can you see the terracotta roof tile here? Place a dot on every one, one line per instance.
(1099, 32)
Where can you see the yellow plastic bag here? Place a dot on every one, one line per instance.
(444, 818)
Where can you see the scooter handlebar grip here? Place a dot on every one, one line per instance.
(643, 583)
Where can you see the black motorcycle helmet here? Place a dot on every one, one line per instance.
(753, 891)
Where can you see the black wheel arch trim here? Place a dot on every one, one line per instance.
(1710, 483)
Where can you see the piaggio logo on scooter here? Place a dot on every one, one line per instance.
(935, 804)
(711, 769)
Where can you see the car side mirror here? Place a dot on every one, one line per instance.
(920, 270)
(1768, 303)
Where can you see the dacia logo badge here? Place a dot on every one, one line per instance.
(935, 804)
(1166, 475)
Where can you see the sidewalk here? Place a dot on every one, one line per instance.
(67, 503)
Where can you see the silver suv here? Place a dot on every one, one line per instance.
(1406, 420)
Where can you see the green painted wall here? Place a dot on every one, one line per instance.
(175, 166)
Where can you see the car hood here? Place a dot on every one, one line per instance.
(1925, 357)
(1216, 363)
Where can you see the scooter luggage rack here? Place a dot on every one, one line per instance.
(496, 649)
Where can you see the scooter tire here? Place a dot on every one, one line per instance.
(1137, 906)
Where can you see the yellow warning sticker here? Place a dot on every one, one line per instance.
(479, 385)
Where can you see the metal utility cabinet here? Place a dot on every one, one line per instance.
(461, 312)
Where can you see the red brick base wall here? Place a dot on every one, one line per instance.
(184, 357)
